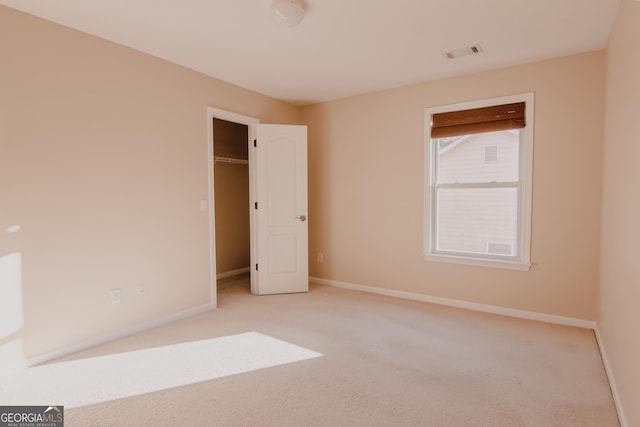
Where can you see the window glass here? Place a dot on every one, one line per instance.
(478, 220)
(481, 157)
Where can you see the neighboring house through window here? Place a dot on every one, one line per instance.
(479, 162)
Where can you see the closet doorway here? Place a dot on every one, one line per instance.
(231, 191)
(234, 125)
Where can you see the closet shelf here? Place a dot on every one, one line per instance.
(231, 160)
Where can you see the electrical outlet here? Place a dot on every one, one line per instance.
(320, 257)
(115, 296)
(140, 291)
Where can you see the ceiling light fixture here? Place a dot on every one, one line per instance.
(287, 13)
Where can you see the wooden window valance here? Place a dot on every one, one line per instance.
(478, 120)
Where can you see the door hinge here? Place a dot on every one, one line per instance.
(255, 205)
(256, 267)
(255, 142)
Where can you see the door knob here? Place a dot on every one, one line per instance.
(302, 217)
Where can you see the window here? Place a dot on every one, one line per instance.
(478, 181)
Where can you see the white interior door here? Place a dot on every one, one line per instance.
(280, 256)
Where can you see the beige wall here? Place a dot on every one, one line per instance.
(366, 188)
(103, 162)
(619, 319)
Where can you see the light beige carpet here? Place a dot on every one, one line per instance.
(384, 362)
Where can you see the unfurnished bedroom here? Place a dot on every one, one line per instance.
(323, 213)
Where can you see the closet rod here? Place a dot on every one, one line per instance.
(230, 160)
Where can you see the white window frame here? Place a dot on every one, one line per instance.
(523, 259)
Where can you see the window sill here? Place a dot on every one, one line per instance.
(509, 265)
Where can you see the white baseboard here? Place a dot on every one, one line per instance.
(232, 273)
(612, 381)
(102, 339)
(522, 314)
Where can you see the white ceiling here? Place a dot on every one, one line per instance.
(342, 47)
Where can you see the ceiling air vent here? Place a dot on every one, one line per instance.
(464, 51)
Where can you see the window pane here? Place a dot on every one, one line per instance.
(480, 157)
(482, 221)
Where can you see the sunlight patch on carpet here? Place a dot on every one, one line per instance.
(100, 379)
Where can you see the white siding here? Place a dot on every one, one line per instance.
(469, 219)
